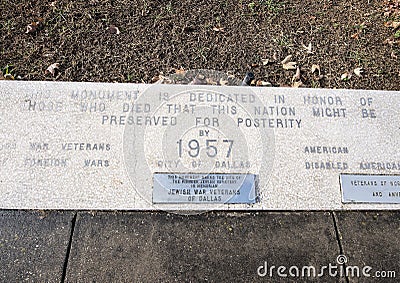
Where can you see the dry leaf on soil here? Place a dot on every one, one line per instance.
(290, 66)
(211, 81)
(296, 76)
(33, 26)
(218, 29)
(392, 24)
(263, 83)
(315, 68)
(275, 56)
(392, 41)
(222, 81)
(52, 69)
(180, 71)
(297, 84)
(355, 35)
(346, 76)
(287, 59)
(113, 30)
(359, 71)
(155, 79)
(307, 48)
(287, 64)
(9, 77)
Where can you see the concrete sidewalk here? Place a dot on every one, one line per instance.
(70, 246)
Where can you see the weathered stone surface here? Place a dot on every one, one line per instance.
(98, 146)
(33, 245)
(371, 239)
(213, 247)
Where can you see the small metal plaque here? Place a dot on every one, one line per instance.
(370, 188)
(204, 188)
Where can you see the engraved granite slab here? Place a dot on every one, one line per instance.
(99, 146)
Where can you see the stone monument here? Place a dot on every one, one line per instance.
(197, 147)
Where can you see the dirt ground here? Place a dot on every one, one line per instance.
(154, 38)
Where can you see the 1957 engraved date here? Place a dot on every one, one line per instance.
(192, 148)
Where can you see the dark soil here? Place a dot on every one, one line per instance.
(160, 37)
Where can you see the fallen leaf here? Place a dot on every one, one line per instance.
(8, 77)
(218, 29)
(308, 48)
(290, 66)
(355, 36)
(392, 24)
(362, 25)
(359, 71)
(393, 55)
(231, 76)
(287, 64)
(315, 68)
(223, 82)
(155, 79)
(210, 81)
(346, 76)
(113, 30)
(265, 61)
(254, 65)
(32, 27)
(165, 80)
(263, 83)
(181, 71)
(52, 69)
(287, 59)
(296, 76)
(297, 84)
(389, 40)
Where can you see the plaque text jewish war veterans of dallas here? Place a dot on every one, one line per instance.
(176, 147)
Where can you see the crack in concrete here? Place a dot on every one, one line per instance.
(64, 273)
(337, 232)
